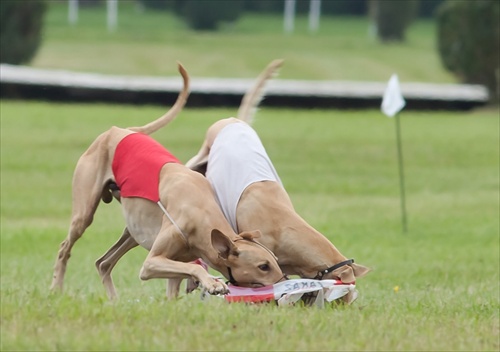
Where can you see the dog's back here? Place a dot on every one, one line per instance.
(236, 160)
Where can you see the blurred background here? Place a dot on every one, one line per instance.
(437, 41)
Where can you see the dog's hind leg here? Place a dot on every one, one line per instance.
(77, 227)
(107, 262)
(199, 158)
(88, 182)
(199, 161)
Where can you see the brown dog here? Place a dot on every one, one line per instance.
(251, 196)
(169, 209)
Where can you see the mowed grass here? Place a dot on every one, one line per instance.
(434, 288)
(150, 42)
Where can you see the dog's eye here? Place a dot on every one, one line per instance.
(264, 267)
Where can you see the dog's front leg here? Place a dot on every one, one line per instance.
(107, 262)
(173, 287)
(158, 265)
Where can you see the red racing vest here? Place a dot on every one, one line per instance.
(137, 164)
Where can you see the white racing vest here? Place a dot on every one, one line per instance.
(236, 160)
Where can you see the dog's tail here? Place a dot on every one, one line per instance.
(174, 110)
(254, 96)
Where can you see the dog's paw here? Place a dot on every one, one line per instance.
(216, 287)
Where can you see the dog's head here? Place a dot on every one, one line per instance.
(348, 274)
(248, 263)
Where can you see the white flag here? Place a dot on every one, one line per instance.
(393, 100)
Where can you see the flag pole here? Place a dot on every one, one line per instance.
(392, 103)
(401, 174)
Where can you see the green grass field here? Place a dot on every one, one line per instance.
(340, 169)
(149, 43)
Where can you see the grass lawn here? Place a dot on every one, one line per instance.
(149, 43)
(434, 288)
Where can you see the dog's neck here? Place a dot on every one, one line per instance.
(284, 231)
(307, 261)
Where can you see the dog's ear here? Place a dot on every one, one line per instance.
(360, 270)
(347, 275)
(353, 271)
(250, 235)
(223, 244)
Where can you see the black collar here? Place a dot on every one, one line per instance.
(332, 268)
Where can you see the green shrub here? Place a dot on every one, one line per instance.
(427, 8)
(90, 3)
(468, 41)
(157, 4)
(208, 14)
(392, 18)
(20, 30)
